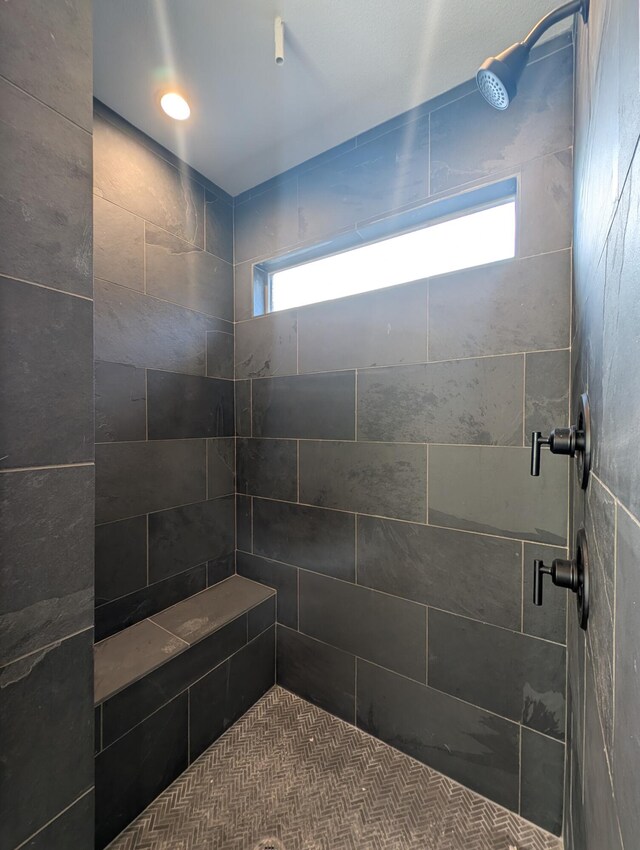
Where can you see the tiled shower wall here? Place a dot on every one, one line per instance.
(604, 685)
(382, 459)
(46, 456)
(164, 417)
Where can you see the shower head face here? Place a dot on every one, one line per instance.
(498, 76)
(492, 88)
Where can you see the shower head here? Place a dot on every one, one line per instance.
(498, 76)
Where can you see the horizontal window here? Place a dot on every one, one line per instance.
(472, 239)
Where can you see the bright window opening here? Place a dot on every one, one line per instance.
(473, 239)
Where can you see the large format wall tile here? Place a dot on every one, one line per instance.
(120, 402)
(118, 245)
(464, 401)
(186, 406)
(267, 346)
(547, 392)
(283, 578)
(320, 407)
(221, 697)
(46, 551)
(362, 182)
(514, 675)
(120, 558)
(619, 465)
(220, 354)
(489, 489)
(47, 703)
(133, 328)
(542, 775)
(539, 121)
(320, 673)
(381, 328)
(313, 538)
(221, 467)
(626, 749)
(600, 812)
(268, 468)
(470, 574)
(47, 52)
(502, 308)
(133, 478)
(600, 528)
(45, 163)
(135, 769)
(546, 205)
(179, 271)
(385, 479)
(363, 622)
(267, 222)
(184, 537)
(218, 225)
(45, 377)
(464, 742)
(74, 827)
(148, 600)
(127, 173)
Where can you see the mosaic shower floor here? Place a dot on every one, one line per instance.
(289, 776)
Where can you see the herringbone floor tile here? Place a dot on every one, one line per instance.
(293, 773)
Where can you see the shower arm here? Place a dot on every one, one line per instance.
(555, 17)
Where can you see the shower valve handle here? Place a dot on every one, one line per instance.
(563, 574)
(573, 574)
(561, 441)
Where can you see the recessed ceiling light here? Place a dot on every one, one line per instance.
(175, 106)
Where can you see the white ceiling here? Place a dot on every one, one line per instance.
(350, 64)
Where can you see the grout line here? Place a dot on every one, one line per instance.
(11, 469)
(45, 286)
(44, 649)
(173, 635)
(142, 294)
(48, 106)
(377, 367)
(409, 601)
(355, 396)
(522, 584)
(59, 814)
(147, 551)
(524, 400)
(408, 521)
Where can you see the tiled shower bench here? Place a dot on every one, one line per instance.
(168, 686)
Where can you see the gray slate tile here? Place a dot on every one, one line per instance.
(465, 401)
(470, 574)
(384, 479)
(268, 468)
(46, 356)
(386, 327)
(464, 742)
(489, 489)
(128, 173)
(118, 246)
(178, 271)
(381, 628)
(46, 550)
(308, 537)
(514, 675)
(305, 406)
(267, 346)
(45, 196)
(136, 478)
(501, 308)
